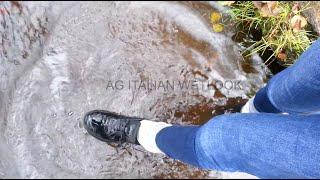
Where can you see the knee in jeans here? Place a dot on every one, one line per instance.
(218, 125)
(216, 121)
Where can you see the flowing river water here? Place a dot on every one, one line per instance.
(62, 59)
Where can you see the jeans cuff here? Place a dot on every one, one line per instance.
(262, 102)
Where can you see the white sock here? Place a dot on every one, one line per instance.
(249, 107)
(147, 134)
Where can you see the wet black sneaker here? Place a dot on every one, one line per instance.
(111, 127)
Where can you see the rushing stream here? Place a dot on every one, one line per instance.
(62, 59)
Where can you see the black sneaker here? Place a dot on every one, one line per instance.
(111, 127)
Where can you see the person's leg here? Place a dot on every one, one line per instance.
(295, 89)
(264, 145)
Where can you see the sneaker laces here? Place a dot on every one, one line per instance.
(116, 130)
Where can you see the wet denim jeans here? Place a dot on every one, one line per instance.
(267, 144)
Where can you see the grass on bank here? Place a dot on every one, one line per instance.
(283, 28)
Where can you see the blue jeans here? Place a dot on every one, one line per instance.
(267, 144)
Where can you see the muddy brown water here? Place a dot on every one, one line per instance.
(59, 58)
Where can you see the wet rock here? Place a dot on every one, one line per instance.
(313, 14)
(19, 33)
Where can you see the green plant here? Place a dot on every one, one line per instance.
(284, 30)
